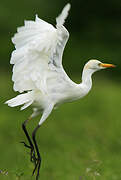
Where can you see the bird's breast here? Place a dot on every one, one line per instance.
(68, 94)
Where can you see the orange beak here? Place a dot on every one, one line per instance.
(107, 65)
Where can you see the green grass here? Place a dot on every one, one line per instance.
(79, 141)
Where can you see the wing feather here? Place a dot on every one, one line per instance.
(61, 18)
(38, 46)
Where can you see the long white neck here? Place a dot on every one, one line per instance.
(86, 78)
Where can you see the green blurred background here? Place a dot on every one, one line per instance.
(80, 140)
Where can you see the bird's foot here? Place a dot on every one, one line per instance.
(37, 167)
(32, 153)
(25, 144)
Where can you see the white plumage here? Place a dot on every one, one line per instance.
(38, 68)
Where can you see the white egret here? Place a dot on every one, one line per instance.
(39, 76)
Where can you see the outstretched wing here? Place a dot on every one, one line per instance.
(39, 48)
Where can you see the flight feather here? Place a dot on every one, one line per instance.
(38, 47)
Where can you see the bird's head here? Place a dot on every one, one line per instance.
(96, 65)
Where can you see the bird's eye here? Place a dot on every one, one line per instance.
(99, 64)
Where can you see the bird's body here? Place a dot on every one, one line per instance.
(38, 66)
(38, 73)
(59, 89)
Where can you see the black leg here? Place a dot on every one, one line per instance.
(38, 164)
(30, 146)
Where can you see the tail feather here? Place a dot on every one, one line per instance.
(25, 99)
(26, 105)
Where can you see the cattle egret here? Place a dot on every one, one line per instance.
(39, 76)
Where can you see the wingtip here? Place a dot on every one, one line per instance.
(68, 5)
(60, 20)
